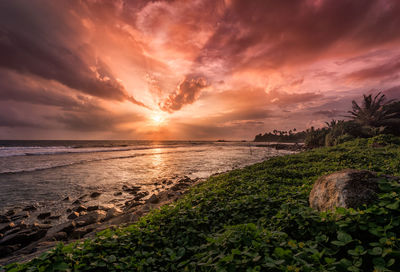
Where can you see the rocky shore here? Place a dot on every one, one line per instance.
(26, 232)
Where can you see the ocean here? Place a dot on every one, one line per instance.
(44, 173)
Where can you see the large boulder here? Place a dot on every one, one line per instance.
(348, 189)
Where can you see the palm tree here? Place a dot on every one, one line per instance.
(331, 124)
(373, 112)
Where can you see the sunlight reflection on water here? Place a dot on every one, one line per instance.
(75, 174)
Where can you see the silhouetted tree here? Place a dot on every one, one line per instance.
(373, 112)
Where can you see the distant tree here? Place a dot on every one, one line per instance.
(332, 123)
(315, 137)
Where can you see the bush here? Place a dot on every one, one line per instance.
(315, 137)
(383, 140)
(344, 138)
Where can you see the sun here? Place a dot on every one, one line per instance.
(157, 119)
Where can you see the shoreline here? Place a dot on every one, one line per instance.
(27, 231)
(99, 219)
(83, 222)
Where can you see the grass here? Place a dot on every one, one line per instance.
(255, 219)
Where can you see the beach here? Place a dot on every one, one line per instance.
(47, 184)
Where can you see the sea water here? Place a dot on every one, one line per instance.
(43, 173)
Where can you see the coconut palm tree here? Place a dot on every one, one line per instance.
(332, 123)
(373, 112)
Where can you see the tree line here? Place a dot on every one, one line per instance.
(374, 116)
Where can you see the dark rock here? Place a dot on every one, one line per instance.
(6, 250)
(69, 210)
(24, 237)
(95, 194)
(66, 199)
(60, 236)
(140, 195)
(153, 199)
(73, 215)
(41, 226)
(10, 212)
(30, 208)
(44, 215)
(106, 207)
(131, 190)
(22, 225)
(91, 218)
(180, 186)
(13, 230)
(131, 204)
(54, 217)
(20, 215)
(82, 196)
(348, 189)
(79, 233)
(185, 180)
(80, 208)
(76, 202)
(6, 226)
(112, 213)
(169, 182)
(117, 193)
(66, 227)
(172, 195)
(93, 208)
(4, 219)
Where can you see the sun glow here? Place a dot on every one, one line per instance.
(157, 118)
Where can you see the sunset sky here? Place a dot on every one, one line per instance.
(201, 69)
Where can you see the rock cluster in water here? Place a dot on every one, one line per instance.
(20, 241)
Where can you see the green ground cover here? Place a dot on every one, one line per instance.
(256, 219)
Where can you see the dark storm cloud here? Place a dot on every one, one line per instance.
(12, 117)
(52, 48)
(8, 120)
(384, 70)
(187, 92)
(14, 87)
(244, 114)
(102, 121)
(269, 34)
(330, 113)
(266, 34)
